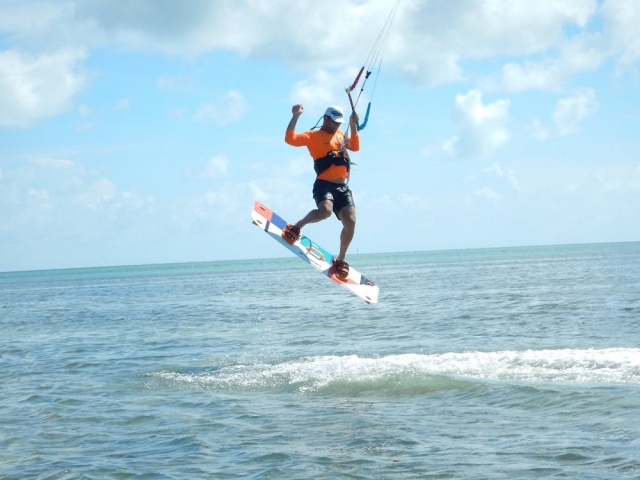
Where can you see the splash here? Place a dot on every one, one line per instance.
(417, 373)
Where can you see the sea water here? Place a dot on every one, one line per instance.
(497, 363)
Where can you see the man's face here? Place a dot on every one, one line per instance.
(329, 125)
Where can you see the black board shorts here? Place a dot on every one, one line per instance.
(338, 193)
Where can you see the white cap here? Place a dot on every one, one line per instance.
(335, 114)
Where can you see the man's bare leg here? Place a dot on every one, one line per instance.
(347, 216)
(291, 233)
(324, 210)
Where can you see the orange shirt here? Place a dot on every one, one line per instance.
(320, 143)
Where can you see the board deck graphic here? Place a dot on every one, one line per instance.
(313, 254)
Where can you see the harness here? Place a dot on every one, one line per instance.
(332, 158)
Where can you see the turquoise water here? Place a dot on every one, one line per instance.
(502, 363)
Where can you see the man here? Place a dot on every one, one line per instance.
(327, 147)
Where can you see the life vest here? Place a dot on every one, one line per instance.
(332, 158)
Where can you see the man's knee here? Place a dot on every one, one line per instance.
(325, 209)
(348, 216)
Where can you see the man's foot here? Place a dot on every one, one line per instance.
(342, 268)
(291, 234)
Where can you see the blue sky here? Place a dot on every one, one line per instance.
(143, 131)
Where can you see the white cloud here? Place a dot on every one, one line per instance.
(618, 179)
(489, 194)
(630, 56)
(216, 168)
(39, 194)
(567, 115)
(225, 204)
(429, 41)
(482, 127)
(384, 203)
(537, 130)
(572, 110)
(98, 192)
(542, 75)
(438, 36)
(582, 53)
(414, 201)
(507, 173)
(248, 27)
(69, 193)
(621, 19)
(611, 188)
(258, 193)
(53, 162)
(322, 89)
(36, 87)
(226, 109)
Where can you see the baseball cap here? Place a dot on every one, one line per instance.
(335, 114)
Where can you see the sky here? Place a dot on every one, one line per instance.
(141, 132)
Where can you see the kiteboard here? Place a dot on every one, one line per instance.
(313, 254)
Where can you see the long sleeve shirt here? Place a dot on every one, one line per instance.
(320, 143)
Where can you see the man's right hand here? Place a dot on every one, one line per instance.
(297, 109)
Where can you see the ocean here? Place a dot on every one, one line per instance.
(502, 363)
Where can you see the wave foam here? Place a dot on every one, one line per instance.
(419, 373)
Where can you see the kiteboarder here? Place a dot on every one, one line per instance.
(328, 148)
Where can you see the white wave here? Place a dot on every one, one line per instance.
(604, 366)
(613, 365)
